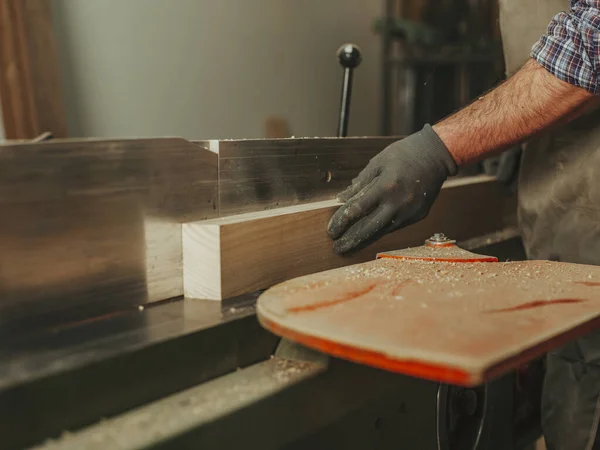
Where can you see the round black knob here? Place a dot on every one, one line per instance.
(349, 56)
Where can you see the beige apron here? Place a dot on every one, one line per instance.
(559, 185)
(559, 216)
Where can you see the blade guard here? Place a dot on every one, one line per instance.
(437, 248)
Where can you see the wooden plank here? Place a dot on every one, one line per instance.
(452, 322)
(30, 88)
(230, 256)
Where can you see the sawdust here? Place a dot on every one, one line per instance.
(286, 370)
(433, 253)
(548, 279)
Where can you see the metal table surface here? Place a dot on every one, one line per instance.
(30, 354)
(55, 379)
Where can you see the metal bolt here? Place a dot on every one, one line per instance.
(439, 239)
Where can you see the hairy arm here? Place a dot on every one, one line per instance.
(400, 184)
(529, 102)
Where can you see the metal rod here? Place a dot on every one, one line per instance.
(345, 103)
(349, 57)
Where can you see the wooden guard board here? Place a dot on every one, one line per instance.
(457, 323)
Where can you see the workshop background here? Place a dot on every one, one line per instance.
(238, 69)
(213, 69)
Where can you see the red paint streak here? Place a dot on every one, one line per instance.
(486, 259)
(430, 371)
(401, 286)
(536, 304)
(337, 301)
(588, 283)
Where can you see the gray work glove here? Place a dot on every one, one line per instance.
(396, 189)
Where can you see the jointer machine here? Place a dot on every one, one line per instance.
(100, 348)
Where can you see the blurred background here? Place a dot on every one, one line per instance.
(248, 69)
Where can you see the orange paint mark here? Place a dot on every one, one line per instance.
(430, 371)
(486, 259)
(536, 304)
(337, 301)
(588, 283)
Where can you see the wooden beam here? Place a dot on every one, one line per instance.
(30, 88)
(230, 256)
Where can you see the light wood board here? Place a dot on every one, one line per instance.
(230, 256)
(458, 323)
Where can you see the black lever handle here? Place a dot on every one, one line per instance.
(349, 57)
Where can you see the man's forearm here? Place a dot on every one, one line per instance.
(530, 102)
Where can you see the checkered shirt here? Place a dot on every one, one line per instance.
(570, 49)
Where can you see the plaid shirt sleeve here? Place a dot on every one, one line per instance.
(570, 49)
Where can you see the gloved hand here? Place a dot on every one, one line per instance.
(396, 189)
